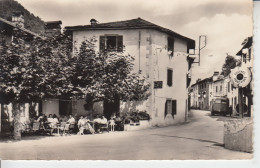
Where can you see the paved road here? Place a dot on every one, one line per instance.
(200, 138)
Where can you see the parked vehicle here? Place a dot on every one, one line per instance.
(220, 106)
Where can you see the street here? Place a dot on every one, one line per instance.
(200, 138)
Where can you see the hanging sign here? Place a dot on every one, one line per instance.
(240, 77)
(158, 84)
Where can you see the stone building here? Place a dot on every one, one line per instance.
(52, 28)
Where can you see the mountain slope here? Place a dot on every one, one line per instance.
(33, 23)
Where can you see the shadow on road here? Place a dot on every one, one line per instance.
(201, 140)
(221, 117)
(8, 138)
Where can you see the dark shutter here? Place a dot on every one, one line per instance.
(174, 107)
(169, 77)
(188, 80)
(102, 43)
(249, 54)
(165, 111)
(170, 45)
(120, 43)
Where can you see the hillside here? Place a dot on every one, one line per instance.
(33, 23)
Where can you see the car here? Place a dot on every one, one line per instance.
(220, 106)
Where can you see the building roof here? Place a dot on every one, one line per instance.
(220, 78)
(247, 43)
(209, 79)
(53, 24)
(21, 28)
(138, 23)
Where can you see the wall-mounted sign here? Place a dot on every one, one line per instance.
(240, 76)
(158, 84)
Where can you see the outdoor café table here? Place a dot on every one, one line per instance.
(60, 126)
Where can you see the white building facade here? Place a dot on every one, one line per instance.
(160, 54)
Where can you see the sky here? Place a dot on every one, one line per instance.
(226, 23)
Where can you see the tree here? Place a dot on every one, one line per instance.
(32, 70)
(108, 77)
(230, 63)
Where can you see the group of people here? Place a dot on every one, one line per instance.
(97, 123)
(84, 124)
(52, 121)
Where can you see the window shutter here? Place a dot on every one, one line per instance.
(165, 111)
(174, 107)
(120, 43)
(102, 43)
(170, 45)
(188, 80)
(169, 77)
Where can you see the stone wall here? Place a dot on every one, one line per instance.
(238, 134)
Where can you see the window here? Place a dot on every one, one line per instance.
(111, 43)
(220, 88)
(216, 89)
(171, 107)
(169, 77)
(65, 107)
(170, 46)
(174, 107)
(249, 54)
(228, 87)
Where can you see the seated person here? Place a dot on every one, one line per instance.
(72, 123)
(103, 120)
(88, 127)
(43, 121)
(63, 118)
(71, 120)
(97, 124)
(50, 119)
(54, 121)
(40, 118)
(81, 125)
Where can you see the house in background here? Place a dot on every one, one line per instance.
(52, 28)
(219, 87)
(247, 61)
(7, 28)
(203, 92)
(160, 54)
(193, 92)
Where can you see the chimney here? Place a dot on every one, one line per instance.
(18, 19)
(93, 21)
(216, 73)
